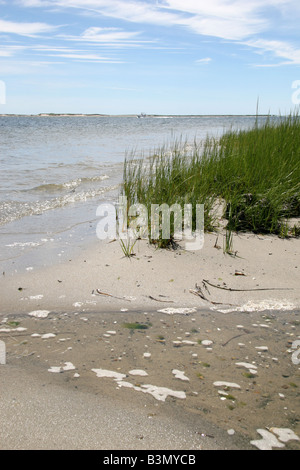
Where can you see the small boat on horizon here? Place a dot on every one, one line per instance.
(142, 115)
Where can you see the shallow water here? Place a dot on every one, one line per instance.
(56, 170)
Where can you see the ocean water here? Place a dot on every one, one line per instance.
(56, 170)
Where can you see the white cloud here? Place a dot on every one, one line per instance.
(56, 51)
(24, 29)
(224, 28)
(279, 49)
(133, 10)
(228, 19)
(233, 20)
(5, 53)
(221, 18)
(42, 48)
(95, 34)
(87, 57)
(9, 51)
(204, 61)
(32, 3)
(112, 37)
(72, 54)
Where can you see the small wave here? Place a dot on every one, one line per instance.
(94, 178)
(69, 185)
(51, 187)
(14, 210)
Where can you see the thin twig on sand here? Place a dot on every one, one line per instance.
(244, 290)
(158, 300)
(110, 295)
(198, 291)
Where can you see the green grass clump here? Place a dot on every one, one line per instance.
(254, 173)
(248, 375)
(127, 247)
(13, 323)
(230, 397)
(205, 364)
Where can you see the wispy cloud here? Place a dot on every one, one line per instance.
(72, 54)
(114, 37)
(204, 61)
(228, 19)
(87, 57)
(136, 11)
(236, 21)
(9, 51)
(277, 49)
(25, 29)
(220, 18)
(110, 35)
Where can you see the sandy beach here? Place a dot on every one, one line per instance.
(168, 349)
(131, 132)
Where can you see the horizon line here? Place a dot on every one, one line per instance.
(127, 115)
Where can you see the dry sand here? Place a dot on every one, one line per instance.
(221, 369)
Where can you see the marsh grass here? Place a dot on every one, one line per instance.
(255, 173)
(228, 242)
(127, 247)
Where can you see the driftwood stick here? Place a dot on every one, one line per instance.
(158, 300)
(245, 290)
(110, 295)
(199, 293)
(234, 337)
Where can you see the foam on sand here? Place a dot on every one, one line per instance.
(269, 441)
(159, 393)
(253, 306)
(39, 313)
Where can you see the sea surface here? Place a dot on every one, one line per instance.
(56, 170)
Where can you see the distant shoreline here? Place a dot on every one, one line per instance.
(131, 115)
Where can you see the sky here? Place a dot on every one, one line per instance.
(152, 56)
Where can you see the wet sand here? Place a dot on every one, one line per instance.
(106, 352)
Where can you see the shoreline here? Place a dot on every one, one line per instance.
(82, 303)
(134, 115)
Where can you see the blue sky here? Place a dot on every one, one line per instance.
(152, 56)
